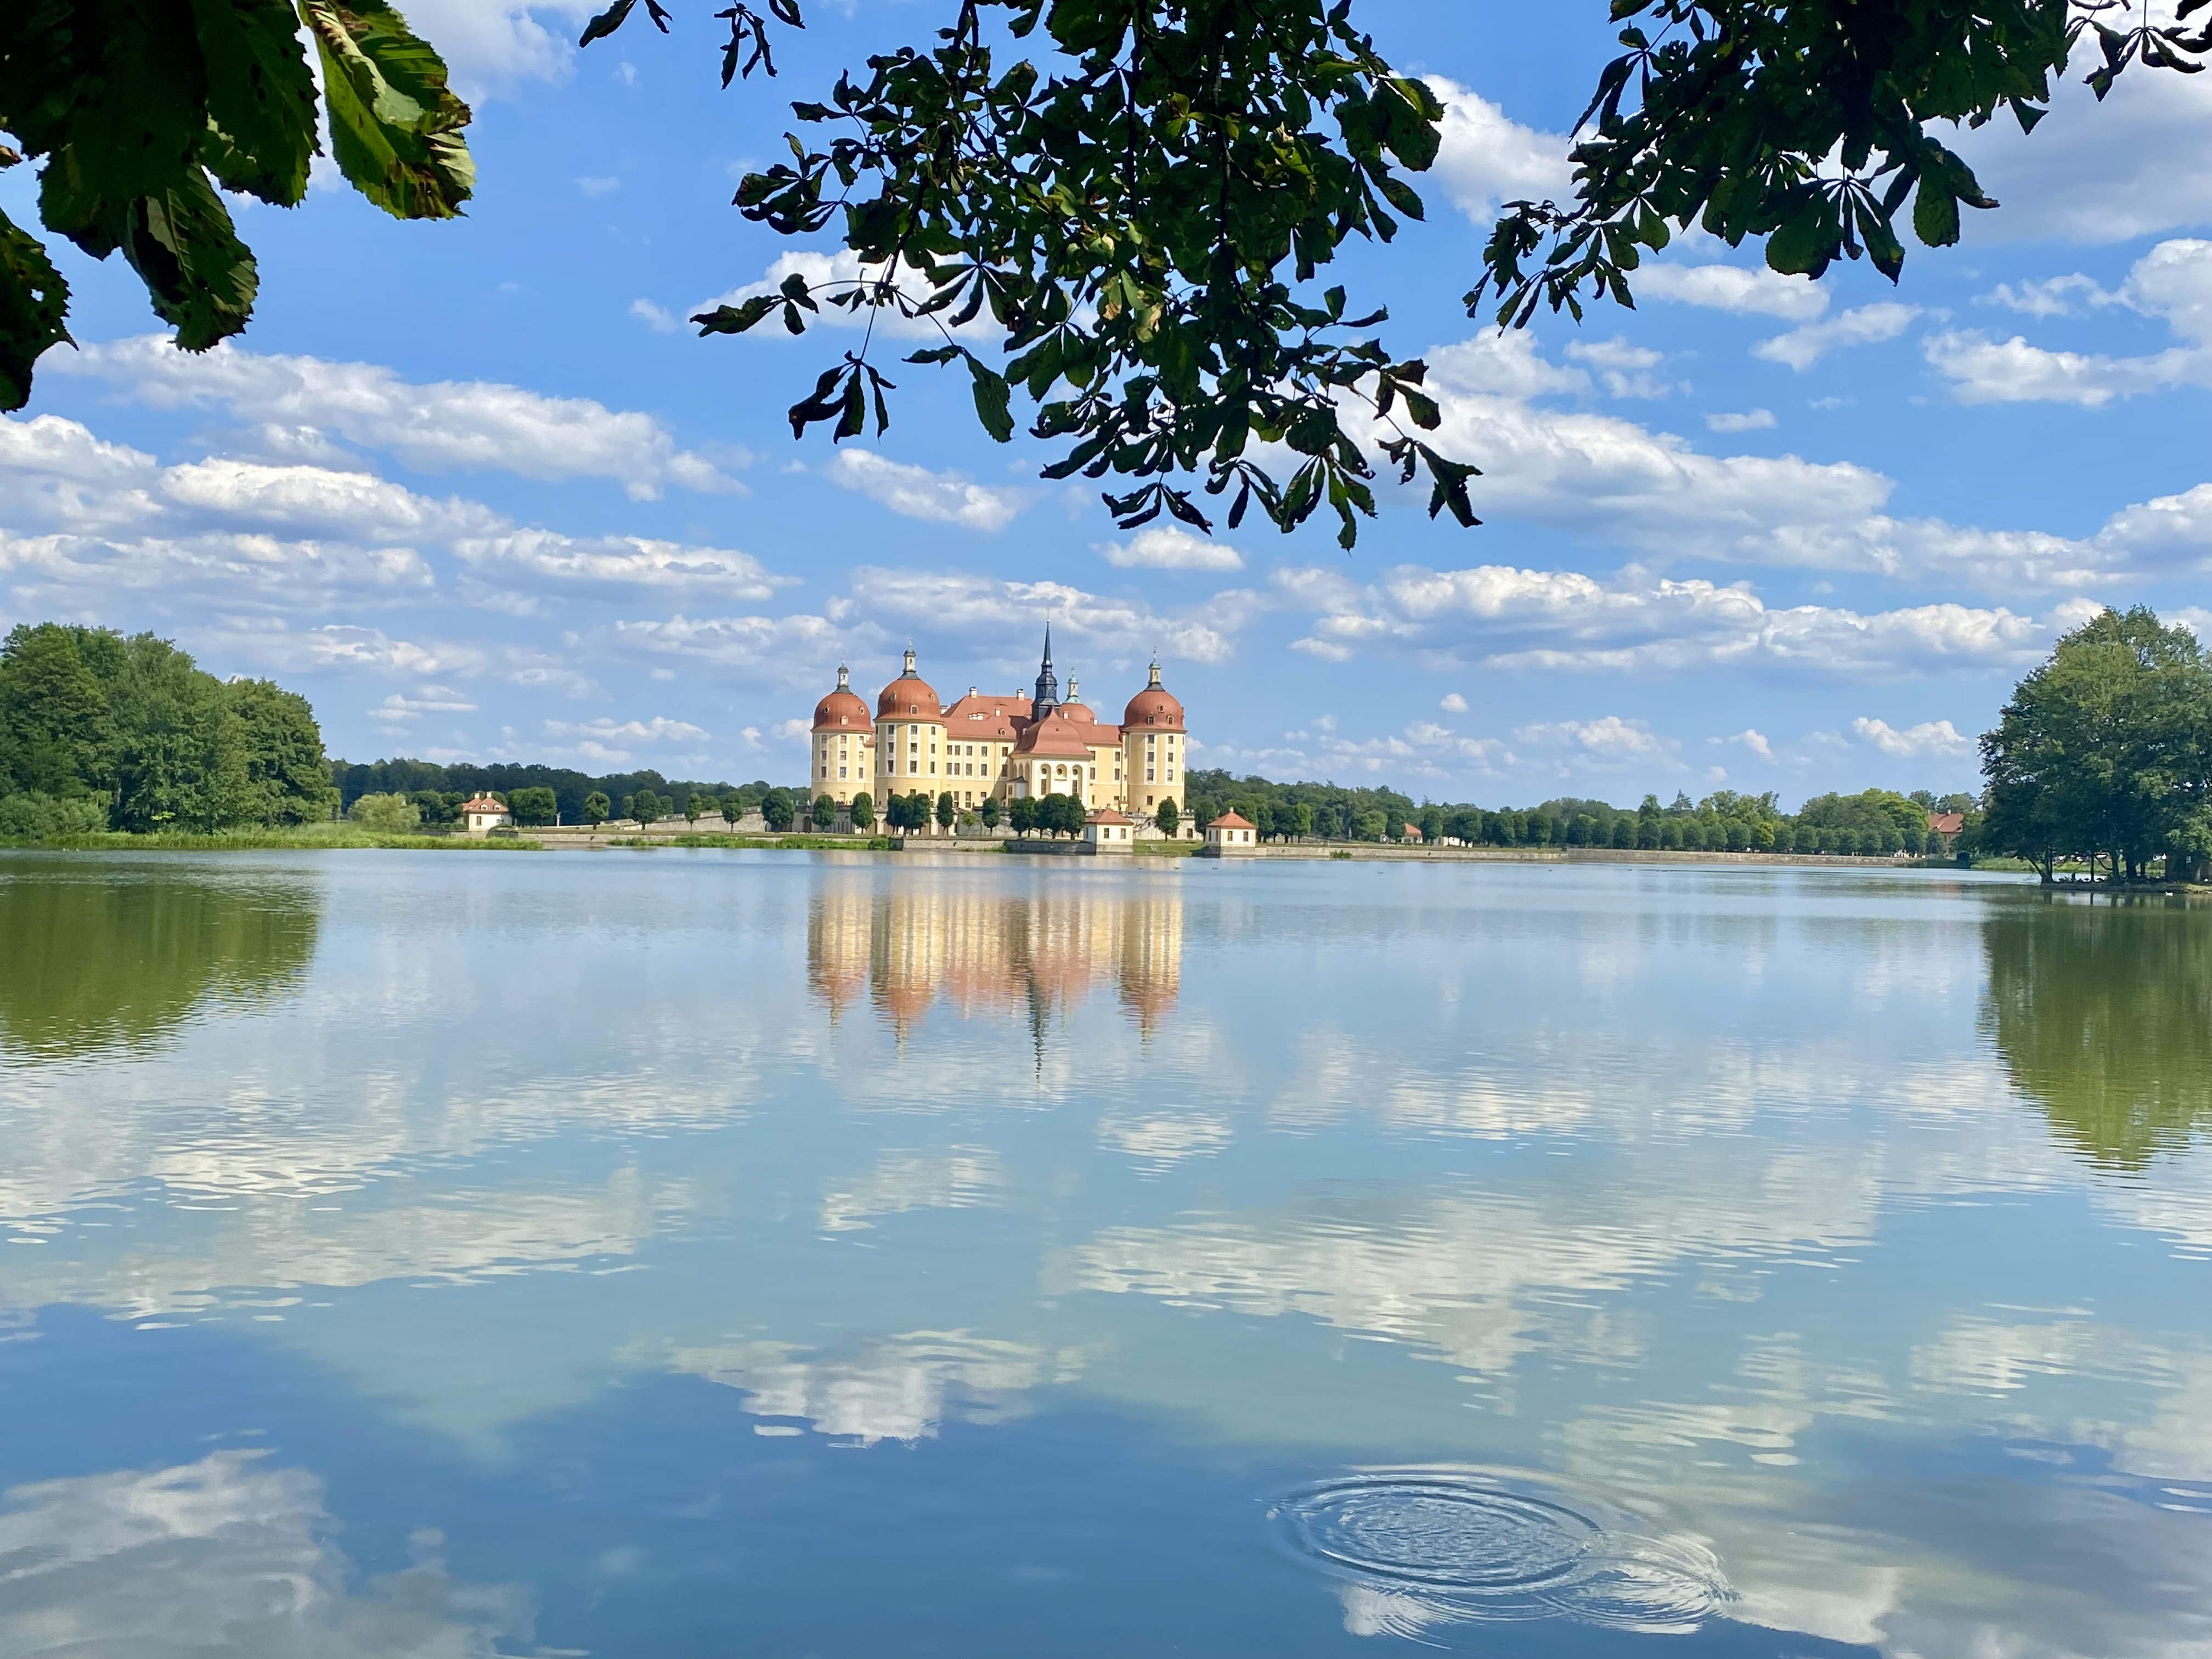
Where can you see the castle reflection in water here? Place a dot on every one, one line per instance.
(982, 953)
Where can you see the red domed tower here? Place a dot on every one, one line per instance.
(844, 744)
(1154, 706)
(1155, 744)
(909, 738)
(909, 697)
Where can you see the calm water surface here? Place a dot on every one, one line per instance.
(730, 1255)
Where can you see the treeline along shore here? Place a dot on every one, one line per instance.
(2102, 761)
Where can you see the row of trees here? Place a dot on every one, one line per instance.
(99, 731)
(2103, 753)
(437, 791)
(1874, 823)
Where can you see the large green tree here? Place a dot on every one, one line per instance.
(288, 778)
(138, 725)
(146, 112)
(56, 734)
(2105, 752)
(1144, 202)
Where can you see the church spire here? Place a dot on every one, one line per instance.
(1047, 683)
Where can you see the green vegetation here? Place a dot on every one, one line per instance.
(390, 815)
(1877, 822)
(2105, 752)
(142, 113)
(1050, 814)
(1146, 202)
(305, 837)
(452, 785)
(98, 731)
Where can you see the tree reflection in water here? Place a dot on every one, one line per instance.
(2102, 1014)
(97, 957)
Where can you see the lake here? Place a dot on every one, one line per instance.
(725, 1254)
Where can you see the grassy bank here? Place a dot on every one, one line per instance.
(308, 837)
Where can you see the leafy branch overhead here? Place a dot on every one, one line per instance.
(1141, 216)
(1139, 221)
(144, 111)
(1810, 123)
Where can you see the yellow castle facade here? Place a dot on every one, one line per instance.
(988, 746)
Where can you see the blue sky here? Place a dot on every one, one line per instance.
(475, 490)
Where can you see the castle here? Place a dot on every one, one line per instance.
(987, 746)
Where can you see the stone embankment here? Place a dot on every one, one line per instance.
(670, 833)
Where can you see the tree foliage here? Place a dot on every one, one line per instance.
(2105, 751)
(532, 806)
(145, 111)
(1811, 126)
(388, 814)
(1142, 215)
(135, 726)
(571, 788)
(1145, 208)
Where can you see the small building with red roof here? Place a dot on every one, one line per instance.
(481, 814)
(1231, 835)
(1111, 831)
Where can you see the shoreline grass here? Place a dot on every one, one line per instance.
(312, 837)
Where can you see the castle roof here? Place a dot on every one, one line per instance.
(909, 697)
(482, 803)
(1108, 815)
(1154, 706)
(1231, 819)
(841, 707)
(1054, 736)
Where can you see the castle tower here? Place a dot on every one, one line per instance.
(1047, 683)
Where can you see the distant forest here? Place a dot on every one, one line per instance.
(1874, 822)
(452, 785)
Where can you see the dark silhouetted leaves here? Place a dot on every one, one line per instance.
(141, 108)
(1807, 123)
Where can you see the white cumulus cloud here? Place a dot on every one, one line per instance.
(632, 561)
(1169, 548)
(1624, 369)
(1485, 159)
(1746, 289)
(918, 493)
(2172, 282)
(433, 427)
(1863, 325)
(1936, 738)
